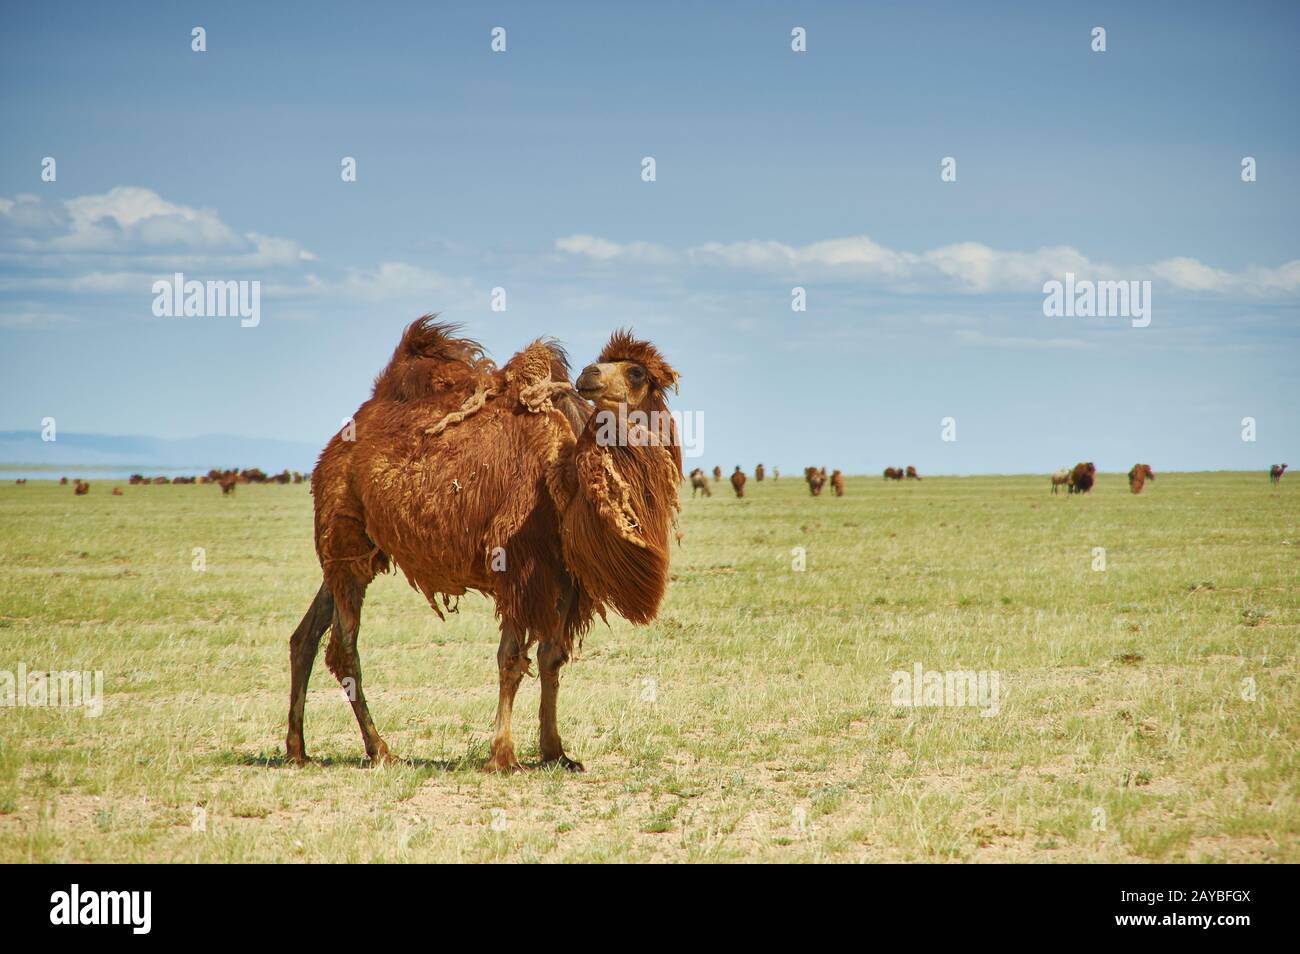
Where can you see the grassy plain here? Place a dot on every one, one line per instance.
(1148, 712)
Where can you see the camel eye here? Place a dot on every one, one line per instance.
(635, 374)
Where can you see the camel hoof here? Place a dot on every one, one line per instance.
(502, 765)
(564, 762)
(381, 757)
(297, 761)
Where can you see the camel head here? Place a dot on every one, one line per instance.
(629, 373)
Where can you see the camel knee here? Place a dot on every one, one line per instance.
(551, 656)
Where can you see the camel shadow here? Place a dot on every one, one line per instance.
(425, 766)
(278, 761)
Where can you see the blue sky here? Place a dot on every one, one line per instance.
(774, 169)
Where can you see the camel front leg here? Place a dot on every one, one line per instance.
(512, 663)
(550, 657)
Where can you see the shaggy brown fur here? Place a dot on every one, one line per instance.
(893, 473)
(700, 482)
(758, 473)
(1275, 474)
(1138, 476)
(228, 482)
(816, 480)
(1082, 478)
(467, 476)
(912, 474)
(837, 483)
(80, 488)
(717, 473)
(738, 481)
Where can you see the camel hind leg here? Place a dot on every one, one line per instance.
(342, 658)
(303, 646)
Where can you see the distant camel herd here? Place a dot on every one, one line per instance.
(225, 479)
(815, 477)
(1078, 479)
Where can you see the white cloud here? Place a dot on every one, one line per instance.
(129, 222)
(386, 282)
(603, 250)
(968, 267)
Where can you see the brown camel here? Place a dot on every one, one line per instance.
(837, 483)
(717, 474)
(912, 474)
(1082, 478)
(893, 473)
(700, 482)
(1275, 474)
(1138, 476)
(816, 480)
(228, 482)
(502, 480)
(80, 488)
(738, 481)
(759, 473)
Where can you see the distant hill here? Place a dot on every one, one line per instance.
(25, 451)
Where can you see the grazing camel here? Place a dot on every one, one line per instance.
(470, 476)
(1275, 474)
(1060, 478)
(893, 473)
(228, 482)
(1082, 478)
(80, 488)
(700, 482)
(759, 473)
(1138, 476)
(717, 474)
(816, 480)
(738, 481)
(837, 483)
(912, 474)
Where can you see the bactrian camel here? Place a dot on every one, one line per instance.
(504, 480)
